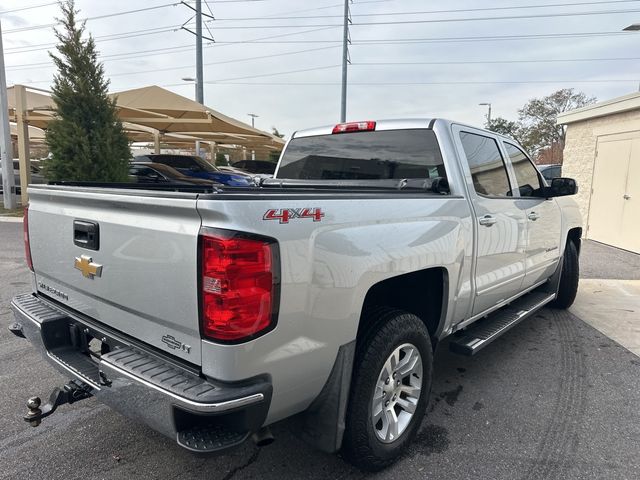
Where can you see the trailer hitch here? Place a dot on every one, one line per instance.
(72, 392)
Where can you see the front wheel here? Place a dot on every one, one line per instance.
(569, 277)
(390, 389)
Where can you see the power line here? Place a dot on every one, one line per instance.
(223, 62)
(144, 32)
(485, 62)
(403, 22)
(99, 17)
(102, 38)
(225, 80)
(302, 70)
(236, 1)
(326, 67)
(139, 53)
(20, 9)
(427, 12)
(439, 20)
(405, 84)
(307, 10)
(368, 42)
(165, 50)
(487, 38)
(393, 41)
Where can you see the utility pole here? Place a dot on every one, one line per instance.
(199, 80)
(199, 73)
(6, 150)
(253, 119)
(345, 61)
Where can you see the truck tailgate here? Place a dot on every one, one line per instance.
(140, 275)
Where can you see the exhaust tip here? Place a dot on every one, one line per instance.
(263, 437)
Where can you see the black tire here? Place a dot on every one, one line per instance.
(568, 278)
(390, 329)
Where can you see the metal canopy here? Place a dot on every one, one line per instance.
(169, 112)
(153, 107)
(149, 114)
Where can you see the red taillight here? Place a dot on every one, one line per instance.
(354, 127)
(238, 285)
(27, 246)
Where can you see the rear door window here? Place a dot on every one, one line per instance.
(377, 155)
(487, 166)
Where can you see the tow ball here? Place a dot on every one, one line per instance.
(70, 393)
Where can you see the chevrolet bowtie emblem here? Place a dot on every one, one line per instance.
(87, 267)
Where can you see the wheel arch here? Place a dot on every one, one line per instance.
(423, 293)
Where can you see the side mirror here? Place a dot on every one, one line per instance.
(562, 186)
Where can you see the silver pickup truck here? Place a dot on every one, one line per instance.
(209, 313)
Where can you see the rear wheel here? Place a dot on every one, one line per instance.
(568, 287)
(390, 389)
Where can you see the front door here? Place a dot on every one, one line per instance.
(500, 224)
(544, 222)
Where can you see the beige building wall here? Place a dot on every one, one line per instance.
(580, 149)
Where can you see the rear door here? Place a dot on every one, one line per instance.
(544, 223)
(123, 258)
(500, 224)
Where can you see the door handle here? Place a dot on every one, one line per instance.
(626, 197)
(533, 216)
(488, 221)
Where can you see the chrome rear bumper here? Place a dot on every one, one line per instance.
(137, 382)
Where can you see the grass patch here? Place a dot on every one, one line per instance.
(14, 212)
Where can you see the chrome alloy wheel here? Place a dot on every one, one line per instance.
(397, 393)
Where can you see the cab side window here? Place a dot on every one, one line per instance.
(527, 176)
(488, 170)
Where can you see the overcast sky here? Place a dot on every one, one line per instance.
(240, 78)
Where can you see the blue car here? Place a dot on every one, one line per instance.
(193, 166)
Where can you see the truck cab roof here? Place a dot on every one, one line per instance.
(396, 124)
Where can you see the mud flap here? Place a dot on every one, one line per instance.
(322, 424)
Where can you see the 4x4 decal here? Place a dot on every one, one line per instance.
(283, 215)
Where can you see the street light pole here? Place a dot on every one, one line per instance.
(253, 118)
(195, 81)
(6, 150)
(199, 71)
(488, 112)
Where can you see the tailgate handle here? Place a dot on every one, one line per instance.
(86, 234)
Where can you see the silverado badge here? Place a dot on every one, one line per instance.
(89, 269)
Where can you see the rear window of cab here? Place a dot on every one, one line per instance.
(370, 155)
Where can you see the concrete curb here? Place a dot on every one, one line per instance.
(612, 307)
(11, 219)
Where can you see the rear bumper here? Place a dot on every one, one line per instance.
(202, 414)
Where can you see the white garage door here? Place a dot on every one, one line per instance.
(614, 212)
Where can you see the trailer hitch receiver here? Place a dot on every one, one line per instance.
(72, 392)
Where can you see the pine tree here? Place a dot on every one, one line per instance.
(86, 140)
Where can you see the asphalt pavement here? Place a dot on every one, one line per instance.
(554, 398)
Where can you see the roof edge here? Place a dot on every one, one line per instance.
(621, 104)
